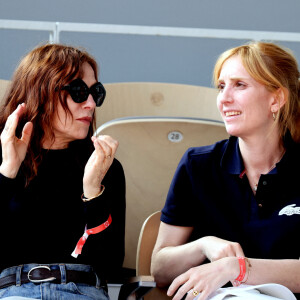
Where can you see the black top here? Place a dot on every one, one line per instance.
(211, 193)
(43, 222)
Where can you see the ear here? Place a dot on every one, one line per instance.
(279, 99)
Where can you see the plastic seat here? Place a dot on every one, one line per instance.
(150, 149)
(132, 99)
(4, 85)
(146, 243)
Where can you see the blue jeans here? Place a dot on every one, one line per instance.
(50, 291)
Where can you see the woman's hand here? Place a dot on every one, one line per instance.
(13, 149)
(204, 279)
(98, 164)
(215, 248)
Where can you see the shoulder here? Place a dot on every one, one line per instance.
(198, 161)
(204, 153)
(290, 163)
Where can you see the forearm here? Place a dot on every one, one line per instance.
(8, 170)
(192, 254)
(97, 210)
(285, 272)
(169, 262)
(8, 188)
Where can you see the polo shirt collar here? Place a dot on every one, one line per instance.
(231, 160)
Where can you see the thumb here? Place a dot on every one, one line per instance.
(26, 133)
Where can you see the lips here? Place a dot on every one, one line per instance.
(85, 119)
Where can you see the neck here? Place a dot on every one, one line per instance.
(260, 156)
(261, 153)
(55, 145)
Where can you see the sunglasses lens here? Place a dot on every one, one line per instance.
(98, 92)
(79, 94)
(79, 91)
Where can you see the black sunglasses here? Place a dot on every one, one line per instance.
(79, 91)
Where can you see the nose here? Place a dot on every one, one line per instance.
(225, 95)
(89, 103)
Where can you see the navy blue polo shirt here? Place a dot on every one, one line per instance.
(210, 193)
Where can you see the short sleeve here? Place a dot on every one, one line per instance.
(178, 209)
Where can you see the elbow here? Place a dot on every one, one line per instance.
(154, 271)
(161, 283)
(158, 274)
(160, 280)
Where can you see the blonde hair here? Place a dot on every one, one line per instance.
(275, 67)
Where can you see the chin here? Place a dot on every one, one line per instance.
(232, 131)
(81, 136)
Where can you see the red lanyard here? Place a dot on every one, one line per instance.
(86, 234)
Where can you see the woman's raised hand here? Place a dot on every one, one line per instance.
(14, 149)
(98, 164)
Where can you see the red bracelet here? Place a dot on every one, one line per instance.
(242, 274)
(88, 232)
(249, 268)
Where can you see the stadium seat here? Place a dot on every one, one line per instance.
(146, 242)
(150, 149)
(157, 99)
(4, 84)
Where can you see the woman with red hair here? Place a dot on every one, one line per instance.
(62, 190)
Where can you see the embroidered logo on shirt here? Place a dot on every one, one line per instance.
(290, 210)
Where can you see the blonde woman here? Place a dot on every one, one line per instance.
(233, 209)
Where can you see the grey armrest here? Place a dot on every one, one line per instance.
(136, 287)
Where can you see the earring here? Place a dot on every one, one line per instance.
(273, 114)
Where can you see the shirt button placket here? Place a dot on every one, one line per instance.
(264, 183)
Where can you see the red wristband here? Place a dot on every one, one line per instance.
(88, 232)
(242, 274)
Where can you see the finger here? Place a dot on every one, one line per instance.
(109, 147)
(189, 295)
(198, 294)
(240, 253)
(99, 152)
(103, 150)
(112, 143)
(13, 119)
(107, 138)
(26, 132)
(173, 287)
(183, 292)
(177, 284)
(106, 147)
(203, 295)
(11, 124)
(238, 250)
